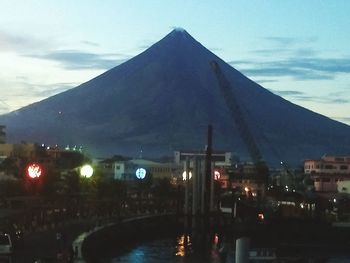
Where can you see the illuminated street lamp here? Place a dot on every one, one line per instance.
(86, 171)
(34, 171)
(184, 175)
(140, 173)
(216, 175)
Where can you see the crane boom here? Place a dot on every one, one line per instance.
(236, 112)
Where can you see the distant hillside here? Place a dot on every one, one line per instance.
(163, 99)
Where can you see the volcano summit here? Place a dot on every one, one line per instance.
(163, 99)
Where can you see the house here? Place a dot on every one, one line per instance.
(327, 172)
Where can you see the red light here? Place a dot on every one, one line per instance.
(216, 239)
(34, 170)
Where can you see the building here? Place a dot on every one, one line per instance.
(220, 162)
(328, 171)
(125, 168)
(20, 150)
(249, 179)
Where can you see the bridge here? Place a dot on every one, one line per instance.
(53, 230)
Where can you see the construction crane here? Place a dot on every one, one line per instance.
(235, 109)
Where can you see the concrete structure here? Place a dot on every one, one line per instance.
(246, 177)
(328, 171)
(220, 161)
(219, 158)
(125, 169)
(21, 150)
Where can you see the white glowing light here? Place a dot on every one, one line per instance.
(217, 175)
(141, 173)
(86, 171)
(184, 175)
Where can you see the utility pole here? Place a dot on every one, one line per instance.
(208, 171)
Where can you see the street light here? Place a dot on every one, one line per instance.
(184, 175)
(86, 171)
(141, 173)
(34, 171)
(217, 175)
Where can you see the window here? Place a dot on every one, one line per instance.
(343, 167)
(328, 166)
(325, 180)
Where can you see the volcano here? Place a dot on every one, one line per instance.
(163, 99)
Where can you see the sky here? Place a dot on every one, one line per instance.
(297, 49)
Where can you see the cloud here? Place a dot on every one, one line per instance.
(52, 89)
(338, 101)
(299, 68)
(283, 51)
(90, 43)
(288, 92)
(75, 60)
(29, 46)
(283, 41)
(295, 60)
(4, 107)
(330, 98)
(274, 51)
(261, 81)
(38, 91)
(328, 65)
(279, 70)
(20, 97)
(296, 95)
(20, 43)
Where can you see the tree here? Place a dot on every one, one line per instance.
(10, 166)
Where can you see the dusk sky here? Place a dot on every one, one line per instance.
(297, 49)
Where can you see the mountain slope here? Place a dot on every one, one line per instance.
(163, 99)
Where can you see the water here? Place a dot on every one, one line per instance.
(182, 249)
(172, 250)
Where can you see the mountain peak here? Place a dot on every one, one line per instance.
(179, 36)
(179, 30)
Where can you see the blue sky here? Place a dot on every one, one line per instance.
(297, 49)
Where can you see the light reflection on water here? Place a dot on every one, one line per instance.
(183, 244)
(183, 249)
(172, 250)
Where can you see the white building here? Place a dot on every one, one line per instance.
(328, 171)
